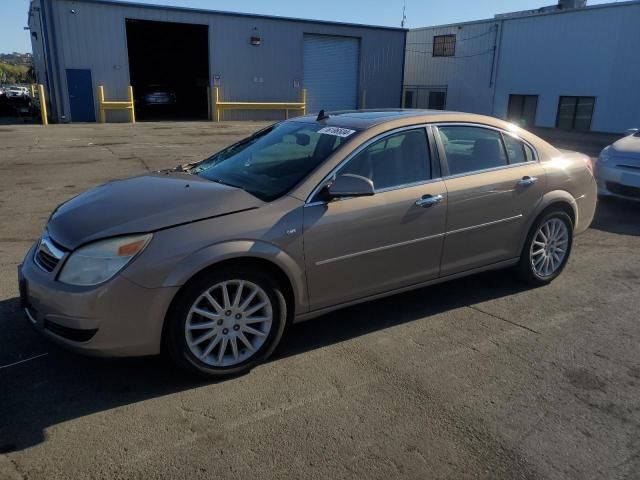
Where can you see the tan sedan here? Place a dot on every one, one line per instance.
(214, 259)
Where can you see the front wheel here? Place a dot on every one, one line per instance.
(226, 322)
(547, 248)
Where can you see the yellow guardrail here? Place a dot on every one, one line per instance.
(43, 105)
(110, 105)
(219, 106)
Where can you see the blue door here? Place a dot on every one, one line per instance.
(80, 88)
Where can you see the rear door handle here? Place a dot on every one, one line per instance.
(429, 201)
(526, 181)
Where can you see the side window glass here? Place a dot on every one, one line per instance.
(398, 159)
(515, 149)
(469, 149)
(529, 153)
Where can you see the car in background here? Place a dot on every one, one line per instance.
(16, 91)
(618, 168)
(213, 260)
(159, 95)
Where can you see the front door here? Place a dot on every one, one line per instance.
(494, 186)
(80, 87)
(357, 247)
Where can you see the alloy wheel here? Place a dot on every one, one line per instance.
(229, 323)
(549, 247)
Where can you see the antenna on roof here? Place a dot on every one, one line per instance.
(322, 116)
(404, 14)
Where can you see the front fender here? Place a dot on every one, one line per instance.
(242, 249)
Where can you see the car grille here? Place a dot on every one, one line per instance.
(46, 261)
(623, 190)
(48, 255)
(73, 334)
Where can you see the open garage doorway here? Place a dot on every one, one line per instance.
(169, 69)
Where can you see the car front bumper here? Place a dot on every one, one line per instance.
(115, 319)
(616, 181)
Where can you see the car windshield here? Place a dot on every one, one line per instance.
(272, 161)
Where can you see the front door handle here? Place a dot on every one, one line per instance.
(429, 200)
(526, 181)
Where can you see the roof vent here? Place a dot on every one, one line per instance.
(570, 4)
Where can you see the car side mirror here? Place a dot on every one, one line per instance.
(349, 185)
(631, 131)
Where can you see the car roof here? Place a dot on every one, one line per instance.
(365, 119)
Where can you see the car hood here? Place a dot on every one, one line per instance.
(628, 146)
(144, 204)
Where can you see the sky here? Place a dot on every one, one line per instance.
(420, 13)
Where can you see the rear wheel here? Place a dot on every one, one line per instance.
(226, 322)
(547, 249)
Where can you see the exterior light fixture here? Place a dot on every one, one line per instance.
(255, 38)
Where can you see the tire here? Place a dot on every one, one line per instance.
(185, 322)
(531, 267)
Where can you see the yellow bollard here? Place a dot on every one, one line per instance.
(303, 100)
(102, 116)
(132, 111)
(33, 90)
(216, 99)
(43, 105)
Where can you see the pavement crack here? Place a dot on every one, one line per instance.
(516, 324)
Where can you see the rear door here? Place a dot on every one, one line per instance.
(494, 184)
(357, 247)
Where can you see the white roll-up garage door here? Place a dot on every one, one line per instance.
(331, 72)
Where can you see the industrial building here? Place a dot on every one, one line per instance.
(174, 57)
(568, 66)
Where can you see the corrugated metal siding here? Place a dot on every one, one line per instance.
(95, 38)
(467, 76)
(331, 72)
(584, 52)
(591, 52)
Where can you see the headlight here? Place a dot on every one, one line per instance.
(605, 155)
(100, 261)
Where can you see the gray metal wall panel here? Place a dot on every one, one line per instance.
(590, 52)
(95, 38)
(331, 67)
(585, 52)
(467, 76)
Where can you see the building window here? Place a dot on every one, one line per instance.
(444, 46)
(522, 109)
(575, 113)
(437, 100)
(408, 99)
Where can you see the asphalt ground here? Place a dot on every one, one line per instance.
(478, 378)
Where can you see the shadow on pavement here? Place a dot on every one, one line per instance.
(62, 386)
(617, 216)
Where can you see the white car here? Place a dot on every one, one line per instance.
(618, 168)
(17, 91)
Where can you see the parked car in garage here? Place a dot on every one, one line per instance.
(159, 95)
(213, 260)
(618, 168)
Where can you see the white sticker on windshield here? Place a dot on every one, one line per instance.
(337, 131)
